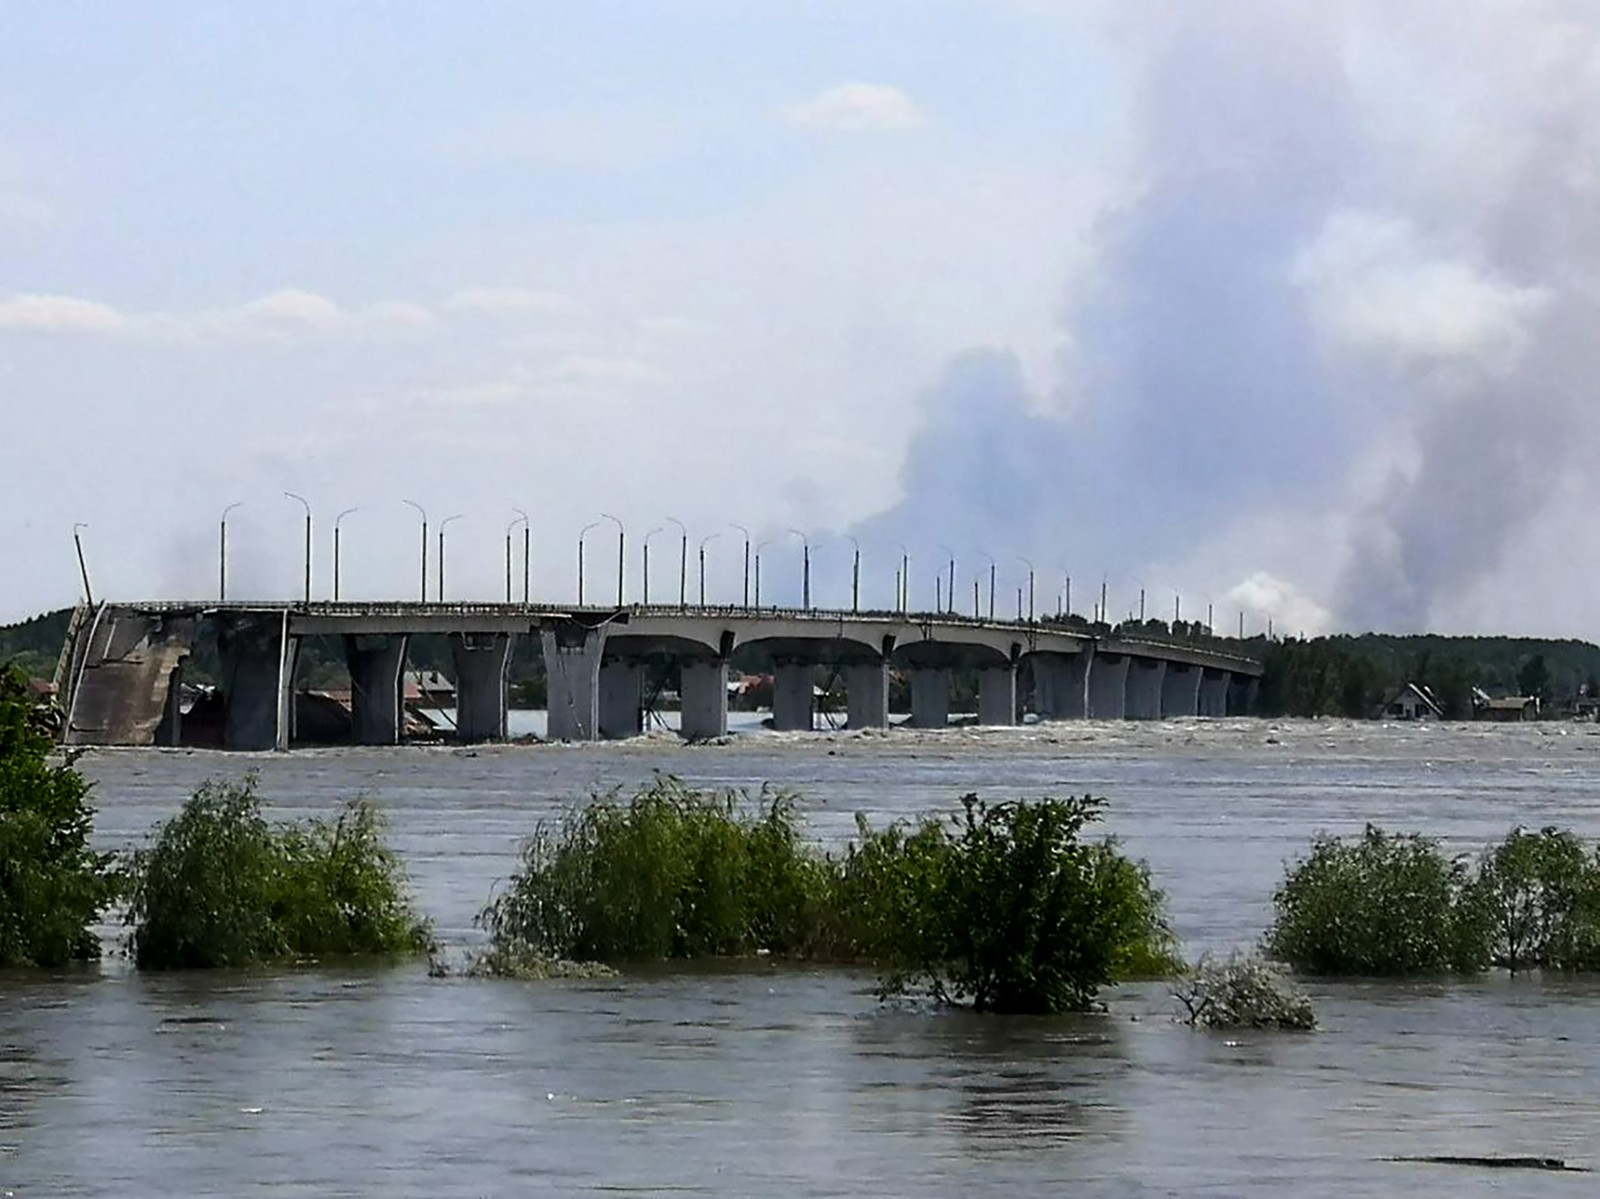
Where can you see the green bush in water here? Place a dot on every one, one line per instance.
(1383, 904)
(669, 873)
(1539, 894)
(1006, 909)
(222, 887)
(53, 887)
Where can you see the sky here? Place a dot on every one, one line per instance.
(1278, 309)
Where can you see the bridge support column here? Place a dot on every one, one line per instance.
(1242, 692)
(377, 695)
(1108, 687)
(169, 733)
(1058, 685)
(792, 701)
(703, 693)
(1214, 692)
(621, 698)
(997, 694)
(257, 656)
(572, 655)
(1145, 678)
(1180, 690)
(480, 661)
(866, 689)
(930, 697)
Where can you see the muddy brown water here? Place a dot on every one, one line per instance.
(762, 1080)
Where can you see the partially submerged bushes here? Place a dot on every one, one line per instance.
(53, 886)
(222, 887)
(1392, 905)
(1383, 904)
(670, 873)
(1005, 908)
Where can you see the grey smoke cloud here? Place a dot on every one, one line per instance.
(1291, 292)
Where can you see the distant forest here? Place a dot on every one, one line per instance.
(1320, 676)
(1351, 676)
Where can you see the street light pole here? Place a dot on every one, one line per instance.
(423, 513)
(83, 565)
(703, 540)
(1029, 565)
(527, 546)
(621, 548)
(307, 505)
(509, 555)
(336, 521)
(442, 525)
(222, 551)
(759, 548)
(683, 562)
(645, 545)
(855, 575)
(746, 533)
(950, 591)
(582, 533)
(805, 570)
(982, 554)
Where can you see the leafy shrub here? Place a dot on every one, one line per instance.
(1242, 992)
(222, 887)
(1539, 894)
(1384, 904)
(1010, 910)
(670, 873)
(1005, 908)
(53, 887)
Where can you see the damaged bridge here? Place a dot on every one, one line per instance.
(121, 672)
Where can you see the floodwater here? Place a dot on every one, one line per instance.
(764, 1080)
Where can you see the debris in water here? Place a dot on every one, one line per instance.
(1494, 1162)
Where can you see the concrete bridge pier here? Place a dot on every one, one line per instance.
(930, 697)
(1145, 678)
(1108, 686)
(997, 694)
(866, 689)
(1059, 684)
(793, 704)
(377, 702)
(257, 656)
(704, 695)
(480, 661)
(573, 652)
(1180, 690)
(1214, 692)
(1242, 692)
(621, 698)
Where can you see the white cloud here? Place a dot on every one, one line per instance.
(59, 314)
(508, 301)
(858, 106)
(293, 307)
(1373, 289)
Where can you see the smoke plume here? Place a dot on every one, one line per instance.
(1351, 287)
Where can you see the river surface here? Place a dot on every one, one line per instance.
(764, 1080)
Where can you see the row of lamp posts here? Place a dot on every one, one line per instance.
(944, 600)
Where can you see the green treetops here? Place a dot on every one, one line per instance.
(53, 887)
